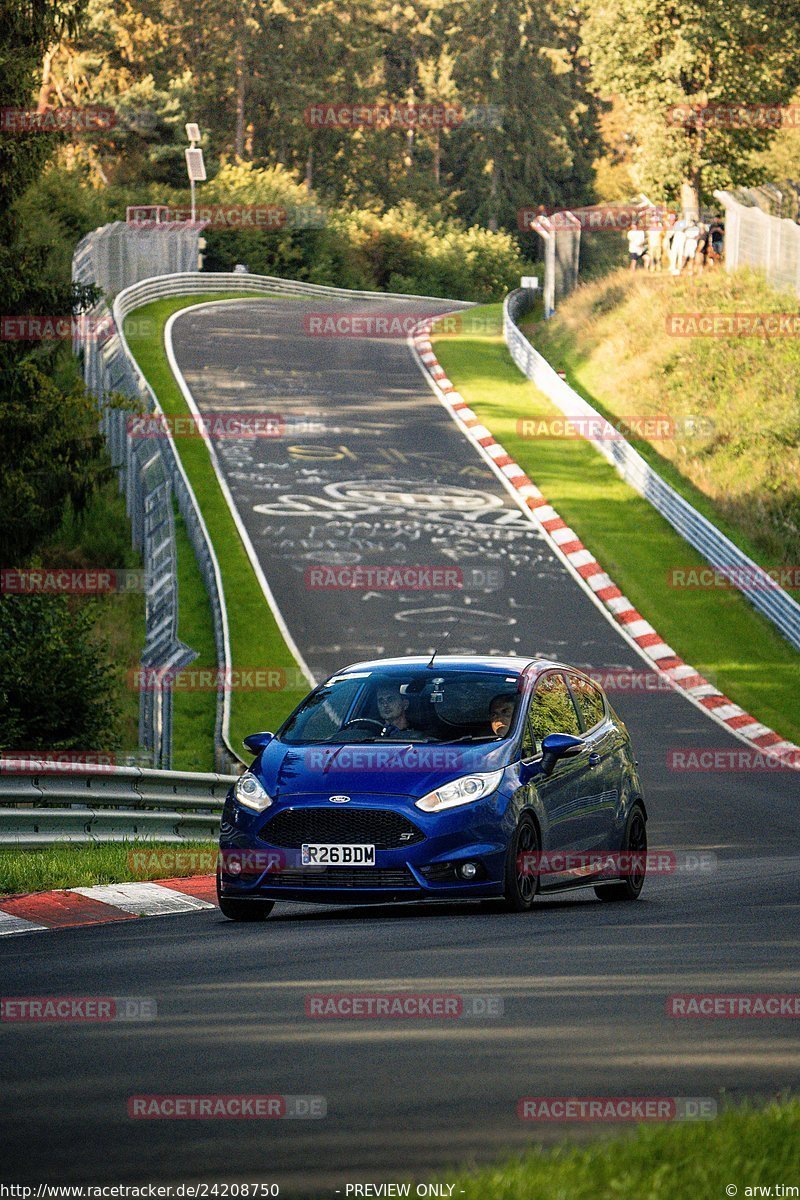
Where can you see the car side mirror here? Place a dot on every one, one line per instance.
(556, 746)
(257, 741)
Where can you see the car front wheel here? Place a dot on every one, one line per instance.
(243, 910)
(630, 887)
(521, 879)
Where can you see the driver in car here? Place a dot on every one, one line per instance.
(501, 712)
(392, 709)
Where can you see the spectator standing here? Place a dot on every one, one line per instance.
(676, 246)
(637, 245)
(691, 241)
(655, 239)
(715, 242)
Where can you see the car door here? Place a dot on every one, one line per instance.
(600, 804)
(563, 793)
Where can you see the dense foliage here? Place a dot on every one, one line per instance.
(404, 249)
(519, 125)
(56, 684)
(54, 673)
(698, 81)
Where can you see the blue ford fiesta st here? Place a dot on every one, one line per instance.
(456, 778)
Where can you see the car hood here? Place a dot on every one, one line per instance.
(392, 769)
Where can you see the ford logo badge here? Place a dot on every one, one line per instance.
(339, 799)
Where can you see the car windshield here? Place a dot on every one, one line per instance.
(427, 705)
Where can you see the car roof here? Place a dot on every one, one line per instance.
(498, 664)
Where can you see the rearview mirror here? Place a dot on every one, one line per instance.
(559, 745)
(257, 741)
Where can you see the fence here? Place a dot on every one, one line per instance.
(117, 255)
(755, 239)
(719, 551)
(104, 257)
(47, 804)
(562, 248)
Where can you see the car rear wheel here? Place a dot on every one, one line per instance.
(521, 883)
(630, 887)
(243, 910)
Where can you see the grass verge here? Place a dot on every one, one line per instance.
(743, 1148)
(194, 713)
(716, 631)
(256, 640)
(730, 403)
(68, 866)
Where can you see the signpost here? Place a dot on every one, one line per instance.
(195, 166)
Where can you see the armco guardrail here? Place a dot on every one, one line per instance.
(770, 600)
(44, 803)
(194, 282)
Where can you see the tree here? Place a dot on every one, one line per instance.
(517, 63)
(28, 31)
(56, 680)
(672, 63)
(51, 454)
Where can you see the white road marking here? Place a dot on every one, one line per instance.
(148, 898)
(11, 924)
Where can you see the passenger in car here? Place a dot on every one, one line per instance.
(501, 712)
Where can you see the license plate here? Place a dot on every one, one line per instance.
(338, 856)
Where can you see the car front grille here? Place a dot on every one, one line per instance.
(344, 877)
(378, 827)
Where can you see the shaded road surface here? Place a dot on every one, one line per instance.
(384, 477)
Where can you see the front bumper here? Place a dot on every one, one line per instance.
(426, 869)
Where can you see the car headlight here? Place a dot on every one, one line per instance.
(248, 791)
(461, 791)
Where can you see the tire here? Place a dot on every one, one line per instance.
(519, 890)
(631, 886)
(244, 910)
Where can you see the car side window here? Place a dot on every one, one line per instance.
(528, 748)
(589, 699)
(552, 710)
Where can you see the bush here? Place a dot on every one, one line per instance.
(403, 250)
(56, 682)
(52, 455)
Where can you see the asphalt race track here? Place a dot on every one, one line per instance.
(372, 470)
